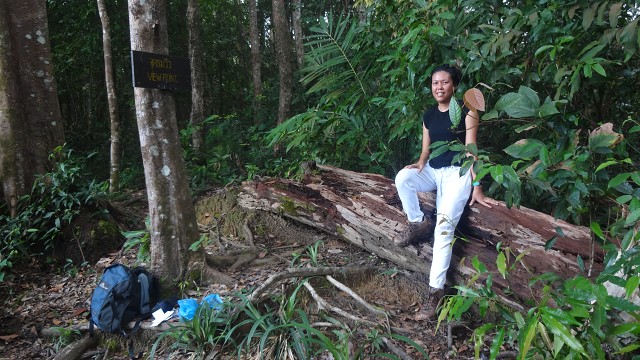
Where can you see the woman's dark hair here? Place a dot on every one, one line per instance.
(454, 71)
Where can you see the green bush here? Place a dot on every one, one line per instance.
(574, 318)
(56, 198)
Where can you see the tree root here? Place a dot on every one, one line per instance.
(305, 272)
(323, 304)
(77, 348)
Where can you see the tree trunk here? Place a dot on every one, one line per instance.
(364, 209)
(114, 173)
(283, 48)
(11, 171)
(256, 60)
(173, 221)
(197, 75)
(297, 31)
(32, 122)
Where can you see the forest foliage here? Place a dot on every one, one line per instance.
(559, 132)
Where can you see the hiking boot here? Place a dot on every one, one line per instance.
(412, 232)
(429, 308)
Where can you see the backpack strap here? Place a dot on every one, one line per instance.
(145, 306)
(129, 335)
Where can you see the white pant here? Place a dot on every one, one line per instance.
(452, 194)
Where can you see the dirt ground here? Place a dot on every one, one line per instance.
(38, 297)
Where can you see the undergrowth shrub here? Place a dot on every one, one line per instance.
(574, 318)
(56, 198)
(277, 328)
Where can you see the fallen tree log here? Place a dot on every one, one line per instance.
(364, 210)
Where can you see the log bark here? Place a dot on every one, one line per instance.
(364, 210)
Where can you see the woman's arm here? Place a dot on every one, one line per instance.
(471, 125)
(424, 154)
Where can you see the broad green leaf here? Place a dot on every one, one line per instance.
(622, 304)
(497, 174)
(603, 140)
(628, 349)
(580, 262)
(633, 328)
(530, 95)
(479, 266)
(564, 316)
(507, 100)
(439, 148)
(632, 285)
(501, 263)
(525, 343)
(563, 333)
(605, 164)
(447, 15)
(619, 179)
(572, 11)
(543, 48)
(624, 199)
(587, 17)
(516, 105)
(455, 112)
(547, 109)
(595, 228)
(436, 30)
(498, 340)
(549, 244)
(632, 217)
(629, 31)
(524, 149)
(599, 69)
(492, 114)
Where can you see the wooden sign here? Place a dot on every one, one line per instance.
(159, 71)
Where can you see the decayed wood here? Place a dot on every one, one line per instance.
(364, 209)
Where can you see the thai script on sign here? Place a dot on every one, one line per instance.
(160, 71)
(160, 63)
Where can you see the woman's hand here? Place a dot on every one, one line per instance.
(477, 196)
(418, 165)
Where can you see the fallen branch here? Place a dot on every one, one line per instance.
(360, 300)
(306, 272)
(75, 350)
(355, 296)
(396, 349)
(323, 304)
(57, 331)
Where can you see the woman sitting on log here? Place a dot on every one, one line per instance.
(440, 174)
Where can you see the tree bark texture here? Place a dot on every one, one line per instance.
(173, 220)
(11, 171)
(33, 123)
(197, 75)
(283, 48)
(364, 210)
(256, 59)
(297, 31)
(114, 169)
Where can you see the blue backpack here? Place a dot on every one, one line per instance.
(122, 296)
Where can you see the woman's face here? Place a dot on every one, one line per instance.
(442, 87)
